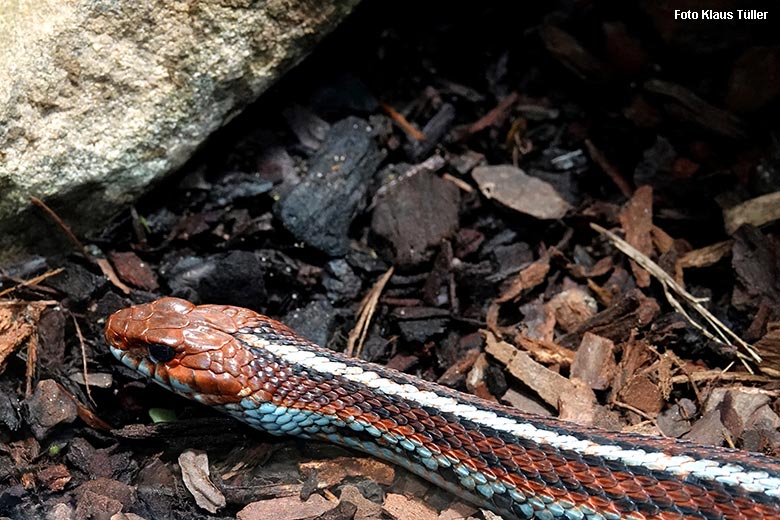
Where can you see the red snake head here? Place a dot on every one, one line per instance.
(186, 348)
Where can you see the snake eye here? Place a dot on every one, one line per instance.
(161, 353)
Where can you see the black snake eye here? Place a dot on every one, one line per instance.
(161, 353)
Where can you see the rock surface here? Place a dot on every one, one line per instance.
(99, 99)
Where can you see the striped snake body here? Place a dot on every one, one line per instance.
(518, 465)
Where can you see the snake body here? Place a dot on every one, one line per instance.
(519, 465)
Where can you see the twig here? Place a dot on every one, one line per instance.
(367, 307)
(108, 270)
(621, 404)
(668, 282)
(32, 281)
(495, 114)
(612, 172)
(65, 228)
(463, 185)
(83, 360)
(32, 360)
(720, 375)
(399, 118)
(102, 263)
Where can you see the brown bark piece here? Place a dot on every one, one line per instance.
(737, 406)
(476, 379)
(458, 511)
(756, 262)
(600, 268)
(687, 107)
(495, 116)
(702, 257)
(54, 477)
(407, 508)
(643, 394)
(333, 471)
(594, 362)
(662, 241)
(550, 386)
(114, 489)
(546, 352)
(366, 509)
(578, 406)
(632, 311)
(768, 347)
(538, 320)
(92, 505)
(567, 49)
(134, 271)
(17, 323)
(456, 373)
(526, 280)
(416, 216)
(285, 508)
(636, 219)
(49, 406)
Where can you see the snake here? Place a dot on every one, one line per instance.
(515, 464)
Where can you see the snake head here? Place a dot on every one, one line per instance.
(188, 349)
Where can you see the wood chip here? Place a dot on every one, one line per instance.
(333, 471)
(546, 352)
(195, 473)
(550, 386)
(401, 507)
(526, 280)
(768, 348)
(594, 362)
(702, 257)
(636, 219)
(456, 373)
(738, 406)
(19, 325)
(757, 212)
(687, 107)
(54, 477)
(517, 190)
(131, 269)
(285, 508)
(458, 511)
(708, 430)
(643, 394)
(578, 406)
(634, 310)
(476, 380)
(572, 307)
(366, 509)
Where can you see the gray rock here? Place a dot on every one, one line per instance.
(97, 99)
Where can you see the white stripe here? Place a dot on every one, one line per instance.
(682, 466)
